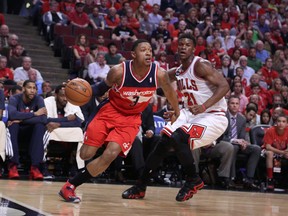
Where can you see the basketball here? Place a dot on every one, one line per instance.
(78, 91)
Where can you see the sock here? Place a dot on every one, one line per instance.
(80, 178)
(269, 173)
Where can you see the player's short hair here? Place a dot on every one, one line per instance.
(137, 42)
(58, 88)
(187, 35)
(28, 81)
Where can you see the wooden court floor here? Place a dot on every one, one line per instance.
(40, 198)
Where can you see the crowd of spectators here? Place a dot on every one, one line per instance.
(246, 41)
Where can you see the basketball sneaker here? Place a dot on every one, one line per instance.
(189, 189)
(35, 173)
(135, 192)
(67, 192)
(13, 171)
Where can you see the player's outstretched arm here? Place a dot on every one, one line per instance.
(170, 93)
(205, 70)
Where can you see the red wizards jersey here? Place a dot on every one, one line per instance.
(133, 95)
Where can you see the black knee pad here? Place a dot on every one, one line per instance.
(179, 137)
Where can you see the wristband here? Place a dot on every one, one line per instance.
(203, 106)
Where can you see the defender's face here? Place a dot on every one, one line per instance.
(185, 48)
(143, 53)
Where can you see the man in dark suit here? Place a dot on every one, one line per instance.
(235, 134)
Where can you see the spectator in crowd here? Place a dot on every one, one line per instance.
(238, 92)
(112, 57)
(268, 72)
(27, 119)
(159, 45)
(277, 101)
(104, 8)
(2, 128)
(262, 81)
(278, 60)
(284, 94)
(79, 18)
(145, 26)
(206, 27)
(252, 61)
(262, 26)
(227, 72)
(101, 47)
(215, 35)
(132, 21)
(98, 70)
(248, 71)
(46, 89)
(4, 35)
(161, 62)
(275, 144)
(261, 53)
(237, 45)
(284, 75)
(170, 14)
(6, 75)
(21, 73)
(235, 59)
(80, 51)
(161, 29)
(265, 117)
(67, 7)
(16, 59)
(91, 56)
(32, 75)
(123, 10)
(154, 17)
(192, 18)
(248, 42)
(275, 89)
(112, 19)
(235, 134)
(122, 32)
(229, 39)
(97, 20)
(50, 19)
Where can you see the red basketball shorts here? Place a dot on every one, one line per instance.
(109, 125)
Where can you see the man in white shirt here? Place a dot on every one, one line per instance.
(21, 73)
(98, 70)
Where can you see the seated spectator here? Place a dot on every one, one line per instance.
(112, 57)
(80, 51)
(32, 75)
(248, 71)
(112, 19)
(200, 45)
(161, 29)
(16, 58)
(122, 32)
(217, 48)
(284, 75)
(215, 35)
(227, 72)
(132, 22)
(161, 62)
(104, 8)
(248, 43)
(91, 56)
(27, 119)
(237, 91)
(261, 53)
(255, 79)
(206, 27)
(145, 26)
(235, 134)
(101, 47)
(154, 17)
(50, 19)
(252, 61)
(67, 7)
(277, 101)
(275, 90)
(265, 117)
(64, 123)
(212, 57)
(2, 19)
(235, 59)
(21, 73)
(229, 39)
(6, 75)
(262, 81)
(79, 18)
(2, 128)
(159, 46)
(98, 70)
(275, 143)
(97, 20)
(268, 72)
(278, 60)
(46, 89)
(284, 94)
(237, 45)
(4, 35)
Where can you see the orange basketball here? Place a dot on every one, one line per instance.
(78, 91)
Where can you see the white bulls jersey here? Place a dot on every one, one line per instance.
(195, 90)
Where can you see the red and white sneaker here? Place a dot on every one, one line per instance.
(67, 192)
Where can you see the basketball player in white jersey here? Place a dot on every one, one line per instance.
(201, 121)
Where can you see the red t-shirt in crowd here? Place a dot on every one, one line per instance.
(277, 141)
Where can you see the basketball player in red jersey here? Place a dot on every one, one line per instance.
(132, 85)
(201, 121)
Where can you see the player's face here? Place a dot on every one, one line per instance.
(30, 90)
(185, 48)
(61, 98)
(143, 53)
